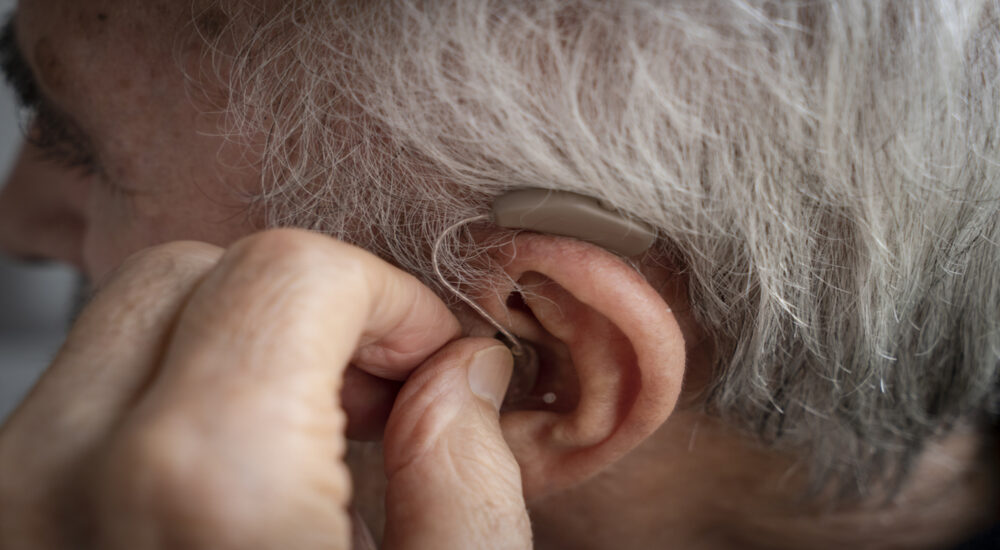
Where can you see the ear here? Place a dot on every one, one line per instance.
(609, 348)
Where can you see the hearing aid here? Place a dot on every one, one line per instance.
(526, 373)
(572, 215)
(561, 213)
(568, 215)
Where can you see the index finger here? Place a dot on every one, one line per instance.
(291, 302)
(241, 434)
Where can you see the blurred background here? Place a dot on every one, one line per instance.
(35, 300)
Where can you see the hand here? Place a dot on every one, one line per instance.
(195, 404)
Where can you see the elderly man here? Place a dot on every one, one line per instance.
(806, 356)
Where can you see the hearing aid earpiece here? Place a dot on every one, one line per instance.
(525, 376)
(557, 213)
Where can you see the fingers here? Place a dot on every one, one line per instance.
(452, 481)
(109, 353)
(282, 315)
(242, 434)
(108, 357)
(287, 303)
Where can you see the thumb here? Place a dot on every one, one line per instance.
(452, 480)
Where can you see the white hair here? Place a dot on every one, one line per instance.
(825, 175)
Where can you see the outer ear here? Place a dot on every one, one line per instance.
(606, 339)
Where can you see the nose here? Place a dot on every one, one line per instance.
(42, 211)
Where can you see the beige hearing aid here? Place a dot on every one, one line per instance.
(557, 213)
(572, 215)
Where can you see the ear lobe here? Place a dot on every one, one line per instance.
(594, 317)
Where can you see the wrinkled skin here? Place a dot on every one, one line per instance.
(201, 382)
(163, 423)
(207, 375)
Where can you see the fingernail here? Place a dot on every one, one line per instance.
(489, 374)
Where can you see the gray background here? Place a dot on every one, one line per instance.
(35, 300)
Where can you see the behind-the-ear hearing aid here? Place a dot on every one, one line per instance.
(558, 213)
(572, 215)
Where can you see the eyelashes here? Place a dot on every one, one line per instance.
(14, 67)
(60, 142)
(51, 131)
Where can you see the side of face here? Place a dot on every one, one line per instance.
(161, 173)
(123, 73)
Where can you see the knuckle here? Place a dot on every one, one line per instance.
(277, 247)
(170, 254)
(144, 284)
(295, 250)
(165, 260)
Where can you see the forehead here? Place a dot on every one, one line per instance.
(67, 40)
(106, 20)
(127, 73)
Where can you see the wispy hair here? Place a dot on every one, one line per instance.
(823, 173)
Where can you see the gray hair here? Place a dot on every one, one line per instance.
(825, 174)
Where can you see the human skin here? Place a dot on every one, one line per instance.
(160, 177)
(163, 176)
(195, 409)
(161, 173)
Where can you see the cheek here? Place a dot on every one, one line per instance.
(157, 192)
(119, 227)
(112, 236)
